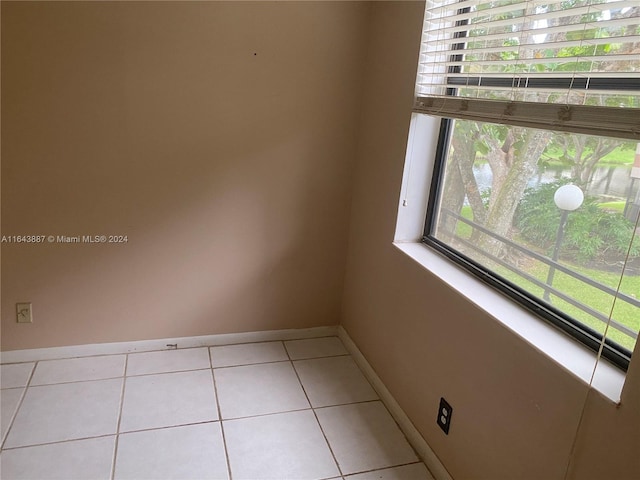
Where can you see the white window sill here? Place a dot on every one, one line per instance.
(567, 352)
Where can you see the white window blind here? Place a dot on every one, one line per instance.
(572, 63)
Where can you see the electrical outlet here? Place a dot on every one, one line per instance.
(24, 314)
(444, 415)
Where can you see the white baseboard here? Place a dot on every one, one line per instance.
(427, 455)
(73, 351)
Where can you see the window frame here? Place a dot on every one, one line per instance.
(527, 114)
(613, 352)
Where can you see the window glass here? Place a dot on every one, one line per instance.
(553, 215)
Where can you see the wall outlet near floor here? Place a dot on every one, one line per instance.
(24, 314)
(444, 415)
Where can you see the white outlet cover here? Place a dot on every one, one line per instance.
(24, 313)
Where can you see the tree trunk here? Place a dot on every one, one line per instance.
(459, 179)
(452, 199)
(505, 199)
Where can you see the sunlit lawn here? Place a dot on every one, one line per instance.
(619, 156)
(596, 299)
(462, 229)
(613, 206)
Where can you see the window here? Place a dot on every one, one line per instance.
(536, 187)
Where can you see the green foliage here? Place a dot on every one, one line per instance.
(485, 195)
(613, 206)
(462, 229)
(537, 216)
(595, 298)
(591, 233)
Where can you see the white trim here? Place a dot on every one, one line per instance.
(416, 179)
(423, 450)
(54, 353)
(584, 119)
(427, 455)
(567, 352)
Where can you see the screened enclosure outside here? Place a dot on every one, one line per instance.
(504, 203)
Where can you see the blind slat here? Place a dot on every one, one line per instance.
(438, 8)
(482, 16)
(471, 50)
(476, 29)
(480, 40)
(531, 93)
(535, 61)
(593, 28)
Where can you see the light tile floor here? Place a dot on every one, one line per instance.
(289, 410)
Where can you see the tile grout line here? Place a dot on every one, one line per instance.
(333, 455)
(360, 472)
(361, 402)
(76, 381)
(224, 438)
(418, 444)
(212, 369)
(165, 427)
(69, 440)
(258, 415)
(99, 355)
(319, 357)
(56, 442)
(386, 407)
(67, 382)
(251, 364)
(395, 421)
(121, 407)
(19, 406)
(185, 424)
(378, 399)
(169, 371)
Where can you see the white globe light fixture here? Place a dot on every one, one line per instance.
(568, 197)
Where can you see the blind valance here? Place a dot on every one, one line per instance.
(573, 52)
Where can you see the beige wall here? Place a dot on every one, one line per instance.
(231, 173)
(516, 413)
(218, 136)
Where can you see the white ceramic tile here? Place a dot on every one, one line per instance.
(168, 361)
(364, 436)
(333, 381)
(315, 347)
(282, 446)
(168, 399)
(15, 375)
(66, 411)
(415, 471)
(258, 389)
(78, 369)
(79, 459)
(246, 354)
(187, 452)
(9, 400)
